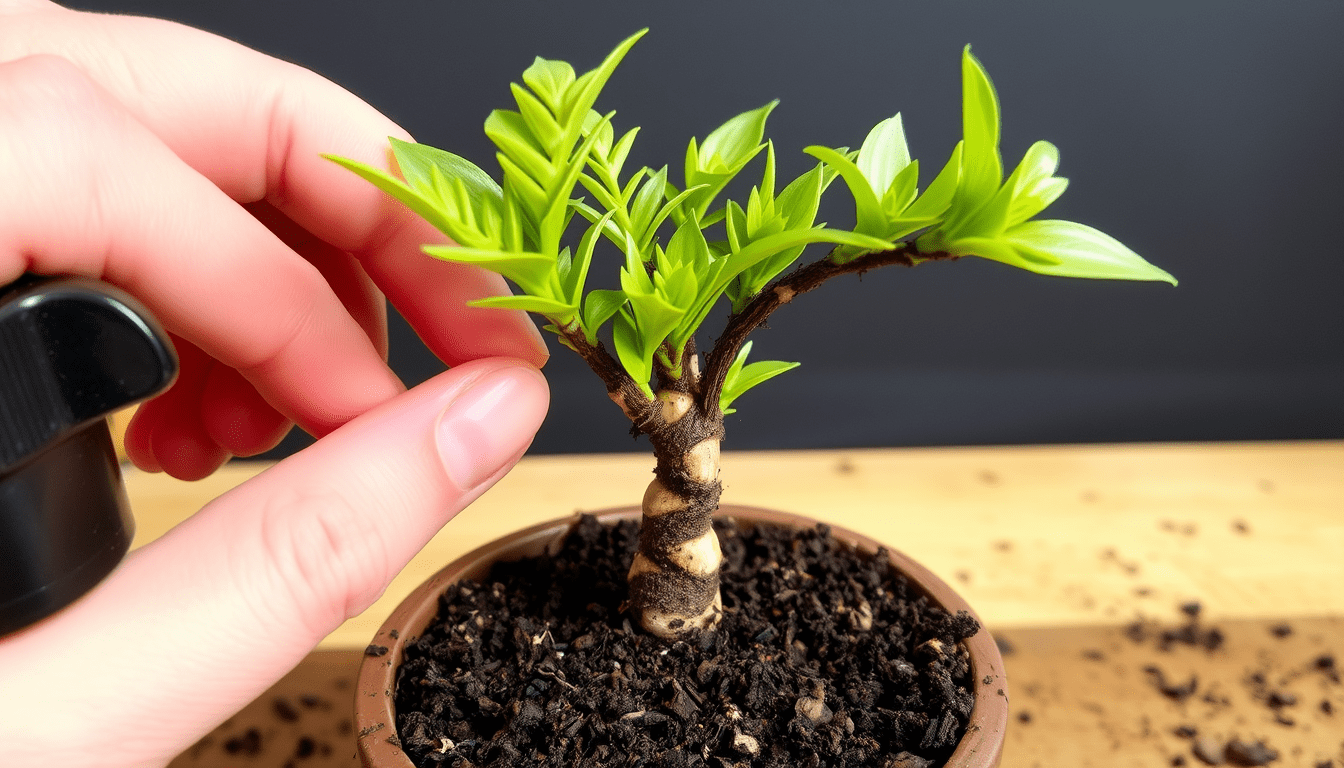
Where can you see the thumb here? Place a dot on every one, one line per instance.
(203, 620)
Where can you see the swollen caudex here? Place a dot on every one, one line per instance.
(700, 556)
(671, 625)
(702, 461)
(675, 405)
(659, 501)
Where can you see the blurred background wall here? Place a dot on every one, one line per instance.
(1204, 134)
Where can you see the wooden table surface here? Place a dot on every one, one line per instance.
(1059, 549)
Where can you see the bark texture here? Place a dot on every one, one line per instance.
(674, 579)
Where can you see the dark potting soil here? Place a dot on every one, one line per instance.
(824, 657)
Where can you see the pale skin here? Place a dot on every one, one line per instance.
(185, 169)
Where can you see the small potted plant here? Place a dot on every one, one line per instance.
(683, 252)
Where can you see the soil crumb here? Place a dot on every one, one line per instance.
(539, 667)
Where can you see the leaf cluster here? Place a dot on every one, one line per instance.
(554, 145)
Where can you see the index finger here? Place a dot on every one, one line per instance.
(256, 126)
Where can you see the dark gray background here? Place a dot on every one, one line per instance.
(1205, 135)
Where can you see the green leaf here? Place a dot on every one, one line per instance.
(1069, 249)
(424, 207)
(982, 169)
(578, 274)
(658, 218)
(936, 199)
(533, 272)
(1031, 187)
(616, 158)
(557, 311)
(549, 79)
(732, 144)
(646, 201)
(741, 378)
(1033, 184)
(625, 337)
(735, 224)
(884, 154)
(525, 189)
(801, 198)
(582, 93)
(540, 123)
(901, 192)
(687, 246)
(767, 185)
(871, 218)
(415, 161)
(510, 132)
(598, 307)
(598, 190)
(595, 122)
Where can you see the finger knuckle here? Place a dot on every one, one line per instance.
(46, 89)
(327, 557)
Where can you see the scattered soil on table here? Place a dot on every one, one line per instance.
(1261, 685)
(824, 658)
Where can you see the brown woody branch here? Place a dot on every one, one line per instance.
(620, 387)
(781, 292)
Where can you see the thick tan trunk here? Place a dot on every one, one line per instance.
(674, 578)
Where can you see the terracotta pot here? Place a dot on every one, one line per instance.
(375, 716)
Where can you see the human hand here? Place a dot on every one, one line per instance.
(185, 169)
(196, 624)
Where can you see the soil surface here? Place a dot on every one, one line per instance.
(824, 658)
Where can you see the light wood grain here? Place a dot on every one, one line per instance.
(1079, 698)
(1032, 536)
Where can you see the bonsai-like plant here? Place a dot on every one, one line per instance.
(673, 274)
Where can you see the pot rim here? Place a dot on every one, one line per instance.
(375, 714)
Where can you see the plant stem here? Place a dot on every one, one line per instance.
(781, 292)
(674, 579)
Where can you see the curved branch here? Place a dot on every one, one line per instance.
(620, 387)
(781, 292)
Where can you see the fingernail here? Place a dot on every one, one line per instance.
(487, 426)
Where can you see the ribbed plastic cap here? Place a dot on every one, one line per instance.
(72, 351)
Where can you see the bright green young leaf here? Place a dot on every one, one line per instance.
(510, 132)
(936, 199)
(533, 272)
(540, 123)
(582, 93)
(884, 154)
(982, 169)
(625, 337)
(901, 193)
(1034, 184)
(647, 200)
(742, 377)
(871, 219)
(424, 206)
(549, 79)
(688, 246)
(1031, 187)
(598, 307)
(799, 200)
(578, 272)
(732, 144)
(594, 122)
(557, 311)
(416, 160)
(1069, 249)
(616, 158)
(663, 213)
